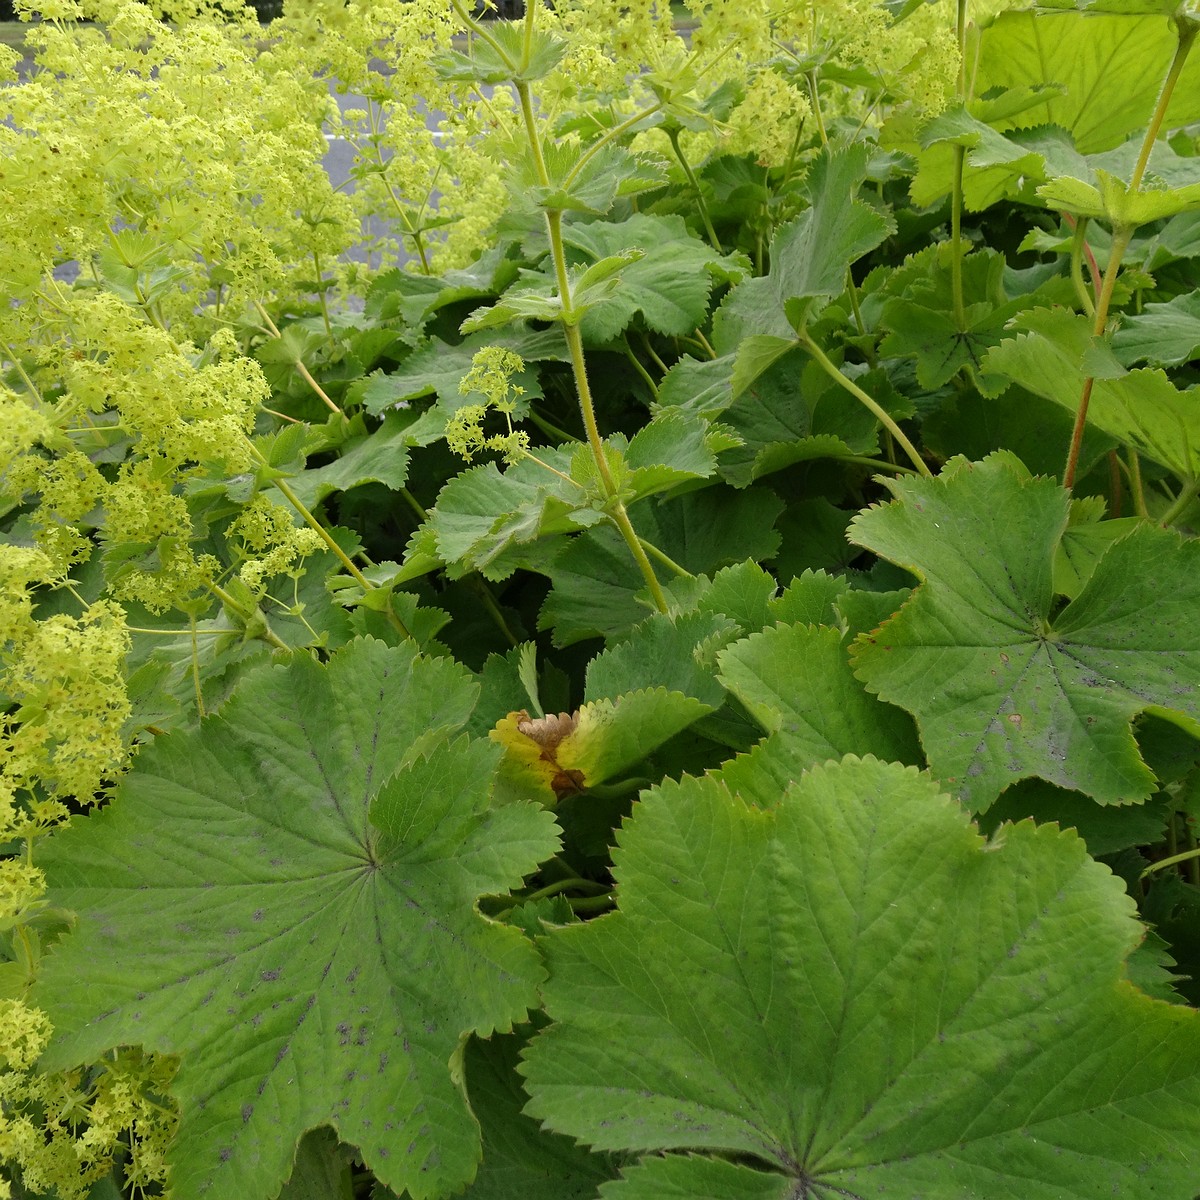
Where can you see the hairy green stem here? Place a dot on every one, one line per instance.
(570, 326)
(814, 102)
(705, 343)
(19, 367)
(956, 185)
(694, 183)
(881, 414)
(1186, 29)
(311, 521)
(645, 375)
(668, 562)
(620, 518)
(196, 686)
(852, 292)
(574, 883)
(549, 428)
(877, 464)
(1135, 485)
(1120, 241)
(1114, 483)
(321, 294)
(610, 135)
(414, 504)
(479, 586)
(956, 248)
(301, 369)
(268, 635)
(481, 30)
(658, 362)
(1078, 242)
(1170, 861)
(1182, 503)
(410, 230)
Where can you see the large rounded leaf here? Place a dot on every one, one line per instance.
(1001, 685)
(312, 966)
(853, 994)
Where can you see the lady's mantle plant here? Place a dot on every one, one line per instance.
(673, 673)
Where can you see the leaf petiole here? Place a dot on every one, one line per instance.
(880, 414)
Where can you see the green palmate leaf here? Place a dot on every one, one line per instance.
(1120, 204)
(1084, 543)
(770, 413)
(581, 180)
(814, 538)
(791, 412)
(597, 586)
(321, 1170)
(672, 448)
(1140, 408)
(707, 530)
(743, 592)
(811, 597)
(594, 284)
(590, 286)
(1163, 8)
(511, 681)
(1090, 56)
(420, 556)
(597, 589)
(507, 52)
(1163, 335)
(312, 967)
(922, 324)
(997, 162)
(482, 515)
(1056, 64)
(680, 1177)
(1105, 829)
(809, 259)
(1045, 163)
(538, 303)
(700, 387)
(1179, 238)
(797, 678)
(380, 456)
(676, 652)
(1036, 431)
(852, 993)
(415, 298)
(669, 284)
(756, 355)
(999, 688)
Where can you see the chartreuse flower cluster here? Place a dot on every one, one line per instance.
(66, 1129)
(490, 376)
(122, 154)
